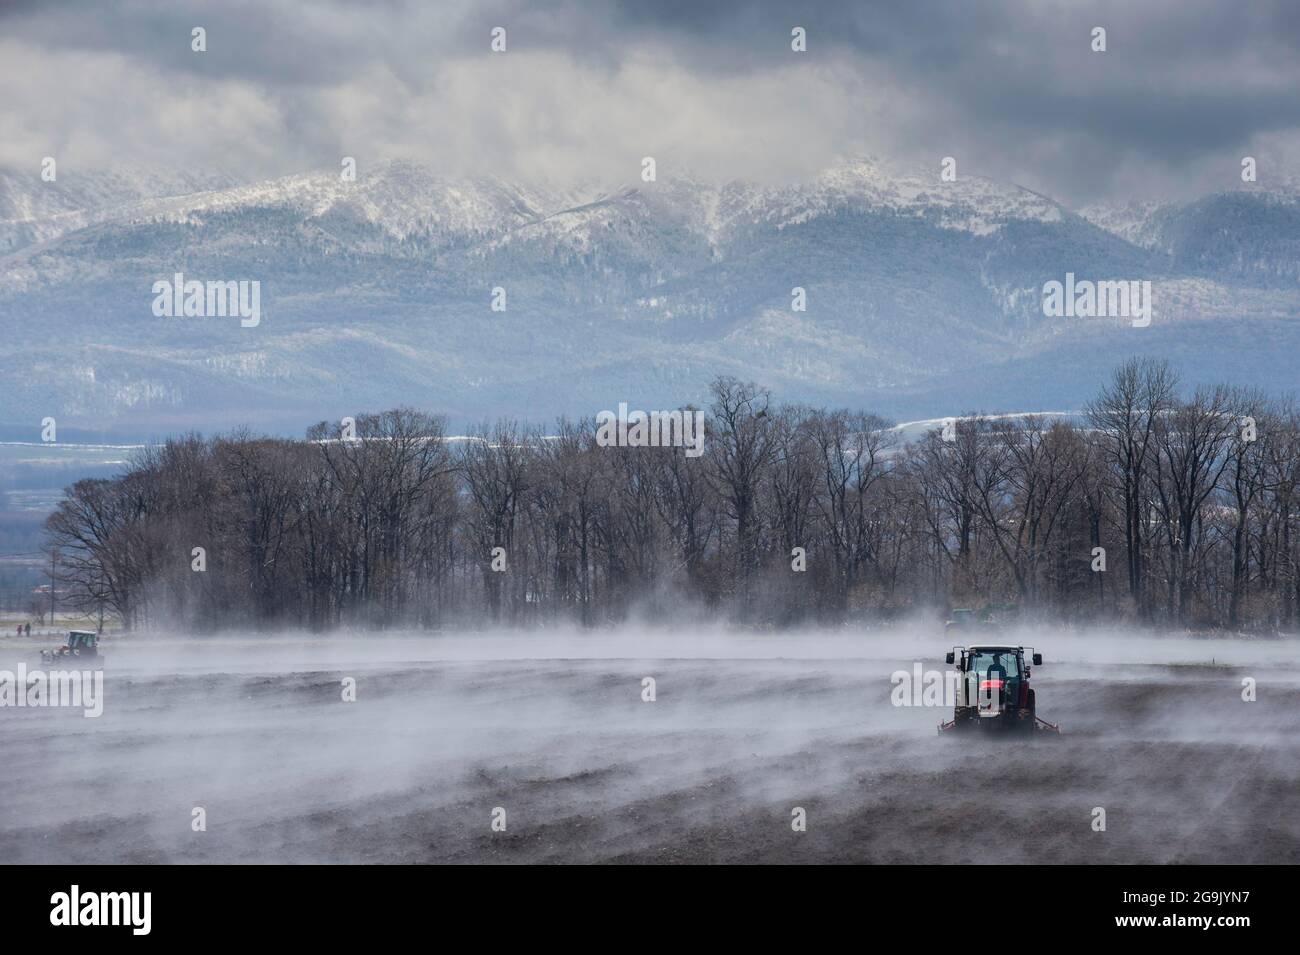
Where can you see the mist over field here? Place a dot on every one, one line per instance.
(550, 726)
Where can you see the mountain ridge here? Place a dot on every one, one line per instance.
(379, 291)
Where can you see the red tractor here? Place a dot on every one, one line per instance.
(993, 692)
(82, 648)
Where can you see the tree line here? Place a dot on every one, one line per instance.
(1154, 504)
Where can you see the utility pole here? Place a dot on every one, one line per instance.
(54, 559)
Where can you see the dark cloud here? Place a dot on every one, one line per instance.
(1012, 89)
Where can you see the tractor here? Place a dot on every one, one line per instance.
(993, 692)
(82, 646)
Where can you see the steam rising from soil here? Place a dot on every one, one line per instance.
(551, 726)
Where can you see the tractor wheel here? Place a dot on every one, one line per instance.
(1027, 724)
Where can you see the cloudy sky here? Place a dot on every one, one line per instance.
(585, 89)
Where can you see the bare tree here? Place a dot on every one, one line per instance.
(741, 447)
(1192, 442)
(1126, 414)
(400, 525)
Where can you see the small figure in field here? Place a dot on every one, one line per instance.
(29, 628)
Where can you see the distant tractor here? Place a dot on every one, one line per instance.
(82, 647)
(990, 615)
(962, 617)
(993, 692)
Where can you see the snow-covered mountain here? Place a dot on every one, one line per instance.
(923, 297)
(1247, 234)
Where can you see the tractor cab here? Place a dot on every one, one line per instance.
(81, 644)
(992, 689)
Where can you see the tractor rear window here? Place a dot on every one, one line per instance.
(1005, 661)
